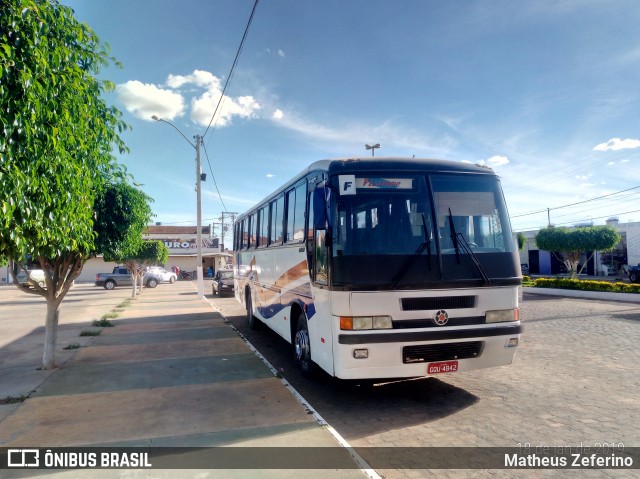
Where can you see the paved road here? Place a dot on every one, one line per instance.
(575, 381)
(22, 319)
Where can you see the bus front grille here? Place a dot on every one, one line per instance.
(428, 323)
(441, 302)
(441, 352)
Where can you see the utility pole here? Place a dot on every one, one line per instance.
(233, 220)
(198, 139)
(199, 177)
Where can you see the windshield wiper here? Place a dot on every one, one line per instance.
(426, 244)
(458, 240)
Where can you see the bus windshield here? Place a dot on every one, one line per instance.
(409, 232)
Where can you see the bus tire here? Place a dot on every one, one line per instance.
(254, 323)
(302, 349)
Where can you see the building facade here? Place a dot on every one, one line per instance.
(626, 252)
(183, 253)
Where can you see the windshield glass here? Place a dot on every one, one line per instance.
(472, 207)
(393, 232)
(226, 274)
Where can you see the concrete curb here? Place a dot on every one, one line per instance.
(570, 293)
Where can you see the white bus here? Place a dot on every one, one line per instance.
(384, 268)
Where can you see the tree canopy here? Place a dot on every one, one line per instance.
(56, 147)
(122, 212)
(572, 243)
(58, 133)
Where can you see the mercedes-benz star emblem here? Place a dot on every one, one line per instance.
(441, 318)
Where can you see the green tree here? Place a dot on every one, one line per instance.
(150, 253)
(122, 214)
(521, 240)
(572, 243)
(56, 146)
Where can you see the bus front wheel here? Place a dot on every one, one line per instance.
(302, 348)
(254, 323)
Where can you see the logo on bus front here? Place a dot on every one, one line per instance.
(441, 318)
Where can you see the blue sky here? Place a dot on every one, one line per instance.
(545, 92)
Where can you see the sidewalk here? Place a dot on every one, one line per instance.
(170, 373)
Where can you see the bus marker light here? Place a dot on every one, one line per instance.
(513, 342)
(346, 323)
(360, 353)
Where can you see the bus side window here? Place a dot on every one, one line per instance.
(320, 252)
(277, 212)
(263, 226)
(290, 219)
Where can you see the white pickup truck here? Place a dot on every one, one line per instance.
(36, 276)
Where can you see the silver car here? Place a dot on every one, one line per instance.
(167, 276)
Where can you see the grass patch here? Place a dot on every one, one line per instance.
(14, 399)
(587, 285)
(90, 332)
(111, 315)
(102, 323)
(71, 346)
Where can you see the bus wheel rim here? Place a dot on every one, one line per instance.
(302, 345)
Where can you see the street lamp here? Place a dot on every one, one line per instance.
(199, 177)
(372, 148)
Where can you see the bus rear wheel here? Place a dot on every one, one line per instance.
(302, 349)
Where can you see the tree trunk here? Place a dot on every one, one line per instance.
(134, 283)
(51, 333)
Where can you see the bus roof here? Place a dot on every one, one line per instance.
(382, 164)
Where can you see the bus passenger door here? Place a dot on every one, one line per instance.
(319, 316)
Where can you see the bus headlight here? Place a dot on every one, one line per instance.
(359, 323)
(502, 316)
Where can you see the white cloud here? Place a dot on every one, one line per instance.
(498, 160)
(279, 52)
(345, 137)
(615, 144)
(270, 175)
(144, 100)
(202, 108)
(198, 77)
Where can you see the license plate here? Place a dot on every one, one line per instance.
(442, 367)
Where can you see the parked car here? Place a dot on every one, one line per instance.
(121, 277)
(36, 276)
(634, 273)
(223, 282)
(167, 276)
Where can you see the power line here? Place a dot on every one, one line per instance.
(573, 204)
(233, 66)
(224, 208)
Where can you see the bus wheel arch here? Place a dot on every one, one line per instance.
(297, 311)
(302, 347)
(254, 323)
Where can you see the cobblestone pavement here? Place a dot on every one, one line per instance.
(574, 382)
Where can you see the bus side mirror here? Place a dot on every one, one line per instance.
(319, 209)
